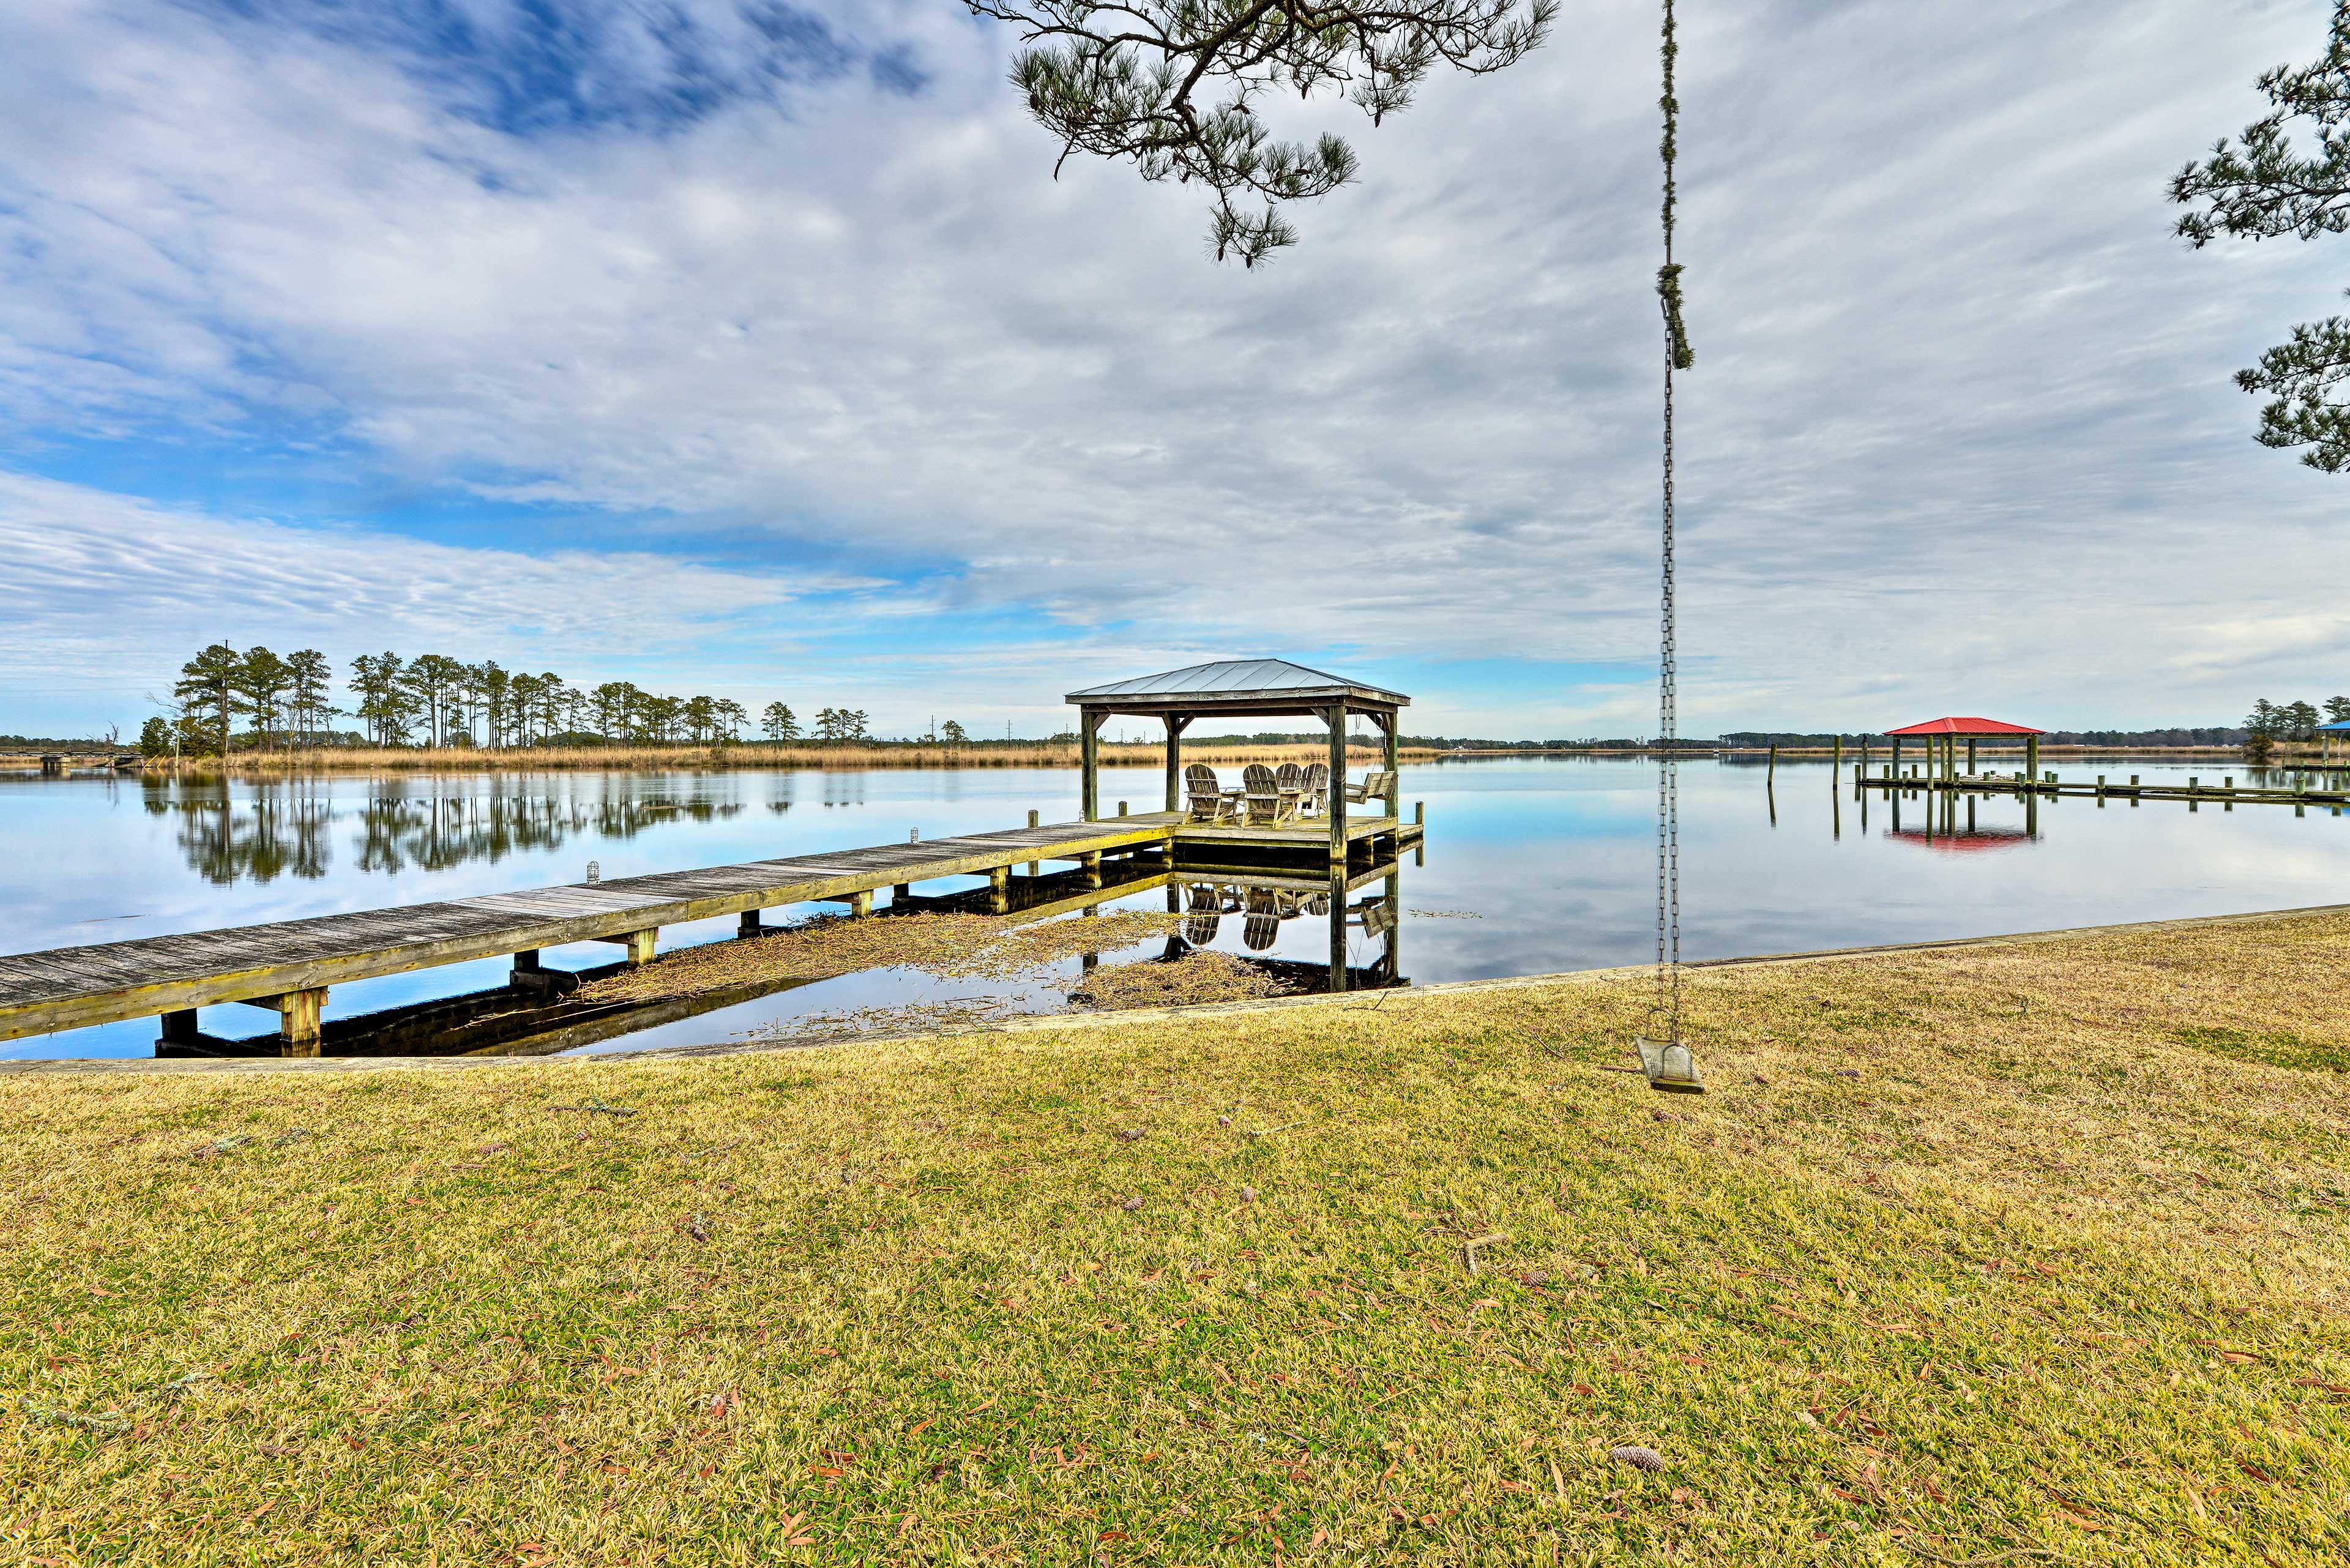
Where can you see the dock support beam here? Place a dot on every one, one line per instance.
(2031, 758)
(1090, 725)
(999, 888)
(298, 1022)
(529, 974)
(749, 924)
(1335, 717)
(1091, 861)
(180, 1028)
(1176, 725)
(638, 943)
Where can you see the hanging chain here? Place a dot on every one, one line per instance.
(1678, 357)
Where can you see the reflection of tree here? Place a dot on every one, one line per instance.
(259, 833)
(433, 827)
(280, 829)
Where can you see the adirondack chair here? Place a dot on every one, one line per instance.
(1267, 803)
(1378, 784)
(1262, 927)
(1205, 794)
(1290, 777)
(1206, 911)
(1318, 786)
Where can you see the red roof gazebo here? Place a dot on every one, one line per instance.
(1941, 737)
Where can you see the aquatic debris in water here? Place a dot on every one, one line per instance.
(1195, 978)
(952, 947)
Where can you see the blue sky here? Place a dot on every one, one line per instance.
(752, 348)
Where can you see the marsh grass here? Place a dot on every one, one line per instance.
(847, 756)
(1966, 1254)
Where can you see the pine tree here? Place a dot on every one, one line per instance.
(2265, 188)
(1172, 86)
(207, 685)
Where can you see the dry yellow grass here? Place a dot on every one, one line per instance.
(847, 757)
(2013, 1253)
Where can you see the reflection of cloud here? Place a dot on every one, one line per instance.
(1961, 399)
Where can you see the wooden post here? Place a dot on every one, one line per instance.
(180, 1027)
(298, 1022)
(999, 888)
(1897, 758)
(1336, 719)
(1395, 927)
(1392, 755)
(1034, 866)
(1338, 920)
(1771, 771)
(1970, 756)
(749, 924)
(900, 892)
(1176, 725)
(1089, 758)
(861, 901)
(1091, 861)
(1836, 757)
(2031, 757)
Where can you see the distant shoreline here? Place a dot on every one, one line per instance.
(747, 756)
(853, 757)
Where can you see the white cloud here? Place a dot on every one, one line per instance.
(1961, 433)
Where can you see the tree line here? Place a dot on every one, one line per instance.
(258, 700)
(2294, 720)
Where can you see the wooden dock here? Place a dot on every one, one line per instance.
(288, 966)
(2332, 791)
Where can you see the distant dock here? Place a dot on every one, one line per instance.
(2332, 788)
(289, 966)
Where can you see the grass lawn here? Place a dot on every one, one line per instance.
(2015, 1254)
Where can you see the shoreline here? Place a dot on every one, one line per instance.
(1342, 1002)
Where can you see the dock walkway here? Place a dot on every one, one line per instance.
(288, 966)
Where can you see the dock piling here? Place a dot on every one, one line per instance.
(639, 945)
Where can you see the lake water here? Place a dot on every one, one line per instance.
(1530, 866)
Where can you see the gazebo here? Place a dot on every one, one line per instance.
(2327, 733)
(1941, 737)
(1232, 688)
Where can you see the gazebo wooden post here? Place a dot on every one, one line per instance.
(1897, 758)
(1176, 725)
(1970, 756)
(2031, 757)
(1335, 717)
(1089, 723)
(1392, 755)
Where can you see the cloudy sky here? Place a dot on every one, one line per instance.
(752, 348)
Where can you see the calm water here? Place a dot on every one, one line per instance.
(1530, 866)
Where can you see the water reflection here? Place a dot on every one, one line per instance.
(258, 832)
(522, 1019)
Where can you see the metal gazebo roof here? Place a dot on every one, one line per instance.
(1237, 683)
(1965, 726)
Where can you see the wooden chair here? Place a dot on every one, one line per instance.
(1318, 787)
(1262, 926)
(1206, 909)
(1377, 785)
(1205, 794)
(1267, 802)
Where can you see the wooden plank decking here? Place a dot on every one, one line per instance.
(290, 963)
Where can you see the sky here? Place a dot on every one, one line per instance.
(753, 348)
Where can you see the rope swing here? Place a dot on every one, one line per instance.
(1664, 1057)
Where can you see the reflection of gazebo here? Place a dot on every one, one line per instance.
(1235, 688)
(1941, 737)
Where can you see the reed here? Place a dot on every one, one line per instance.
(761, 755)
